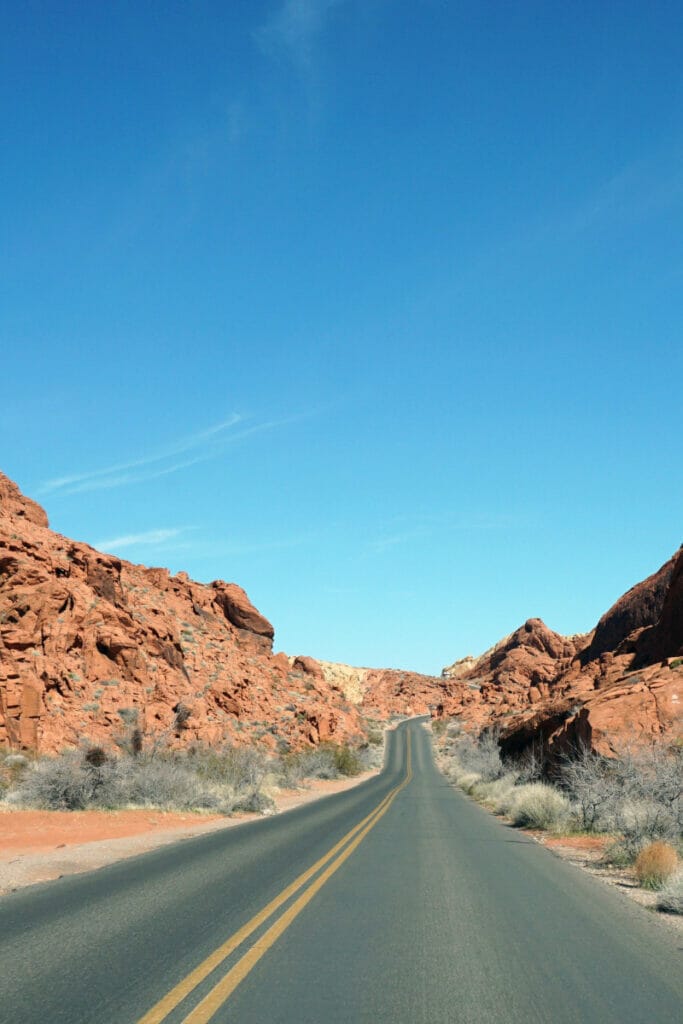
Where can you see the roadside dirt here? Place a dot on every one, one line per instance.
(586, 853)
(38, 846)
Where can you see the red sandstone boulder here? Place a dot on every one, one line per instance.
(239, 610)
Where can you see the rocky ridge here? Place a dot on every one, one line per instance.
(617, 686)
(92, 646)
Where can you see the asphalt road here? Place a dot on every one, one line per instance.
(399, 901)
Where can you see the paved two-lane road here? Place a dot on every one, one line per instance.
(398, 902)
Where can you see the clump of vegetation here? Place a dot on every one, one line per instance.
(496, 795)
(326, 761)
(151, 774)
(670, 896)
(656, 864)
(539, 805)
(346, 759)
(637, 798)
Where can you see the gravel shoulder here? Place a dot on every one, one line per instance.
(38, 846)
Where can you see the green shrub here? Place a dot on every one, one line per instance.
(346, 759)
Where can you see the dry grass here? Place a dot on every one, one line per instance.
(538, 805)
(655, 864)
(670, 896)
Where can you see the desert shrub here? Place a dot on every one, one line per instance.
(370, 756)
(67, 782)
(637, 796)
(319, 763)
(346, 759)
(593, 786)
(642, 821)
(655, 864)
(77, 780)
(529, 766)
(439, 726)
(258, 802)
(12, 767)
(670, 896)
(166, 783)
(241, 768)
(481, 755)
(498, 795)
(466, 780)
(539, 805)
(619, 854)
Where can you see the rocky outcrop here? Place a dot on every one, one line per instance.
(382, 692)
(639, 607)
(619, 685)
(665, 638)
(91, 646)
(14, 503)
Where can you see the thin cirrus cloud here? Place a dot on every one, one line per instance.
(426, 526)
(150, 538)
(199, 447)
(294, 29)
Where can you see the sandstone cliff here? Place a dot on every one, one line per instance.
(90, 644)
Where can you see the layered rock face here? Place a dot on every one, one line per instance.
(620, 685)
(90, 644)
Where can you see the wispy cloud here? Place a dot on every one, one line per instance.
(425, 526)
(150, 538)
(199, 447)
(294, 30)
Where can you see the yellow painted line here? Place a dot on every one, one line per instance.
(168, 1003)
(212, 1002)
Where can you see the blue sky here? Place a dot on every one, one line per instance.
(372, 307)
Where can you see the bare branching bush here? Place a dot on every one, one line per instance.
(529, 766)
(480, 756)
(670, 896)
(68, 782)
(637, 797)
(591, 783)
(539, 805)
(12, 767)
(656, 864)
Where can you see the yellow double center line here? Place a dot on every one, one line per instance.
(208, 1006)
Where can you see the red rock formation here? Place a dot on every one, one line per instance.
(382, 692)
(638, 607)
(90, 643)
(611, 688)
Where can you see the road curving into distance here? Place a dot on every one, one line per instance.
(398, 901)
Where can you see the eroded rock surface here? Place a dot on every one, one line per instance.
(91, 645)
